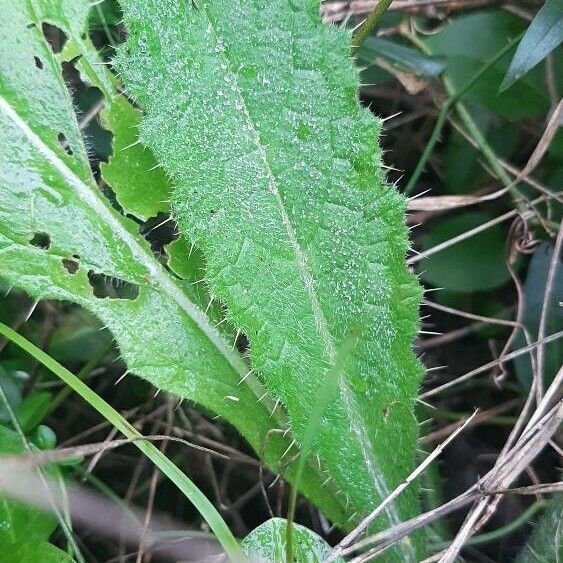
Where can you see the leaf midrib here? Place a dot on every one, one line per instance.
(356, 422)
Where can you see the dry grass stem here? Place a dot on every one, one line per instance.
(365, 523)
(555, 259)
(470, 233)
(489, 365)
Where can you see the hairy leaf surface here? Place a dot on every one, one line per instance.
(251, 106)
(268, 543)
(545, 543)
(60, 238)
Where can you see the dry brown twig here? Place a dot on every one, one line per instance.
(366, 522)
(513, 460)
(543, 144)
(450, 336)
(470, 233)
(546, 299)
(542, 488)
(481, 417)
(448, 202)
(453, 335)
(467, 315)
(488, 366)
(98, 455)
(36, 459)
(509, 465)
(153, 486)
(526, 178)
(518, 241)
(339, 10)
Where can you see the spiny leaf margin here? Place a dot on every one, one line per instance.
(45, 190)
(252, 108)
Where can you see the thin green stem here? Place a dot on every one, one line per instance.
(326, 391)
(484, 146)
(453, 99)
(362, 33)
(105, 25)
(488, 537)
(176, 475)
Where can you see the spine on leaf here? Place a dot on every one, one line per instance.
(252, 108)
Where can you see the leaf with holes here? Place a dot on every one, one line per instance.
(252, 108)
(61, 238)
(139, 184)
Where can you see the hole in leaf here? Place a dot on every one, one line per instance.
(55, 36)
(30, 25)
(38, 62)
(159, 231)
(109, 287)
(41, 240)
(242, 344)
(88, 102)
(64, 143)
(71, 265)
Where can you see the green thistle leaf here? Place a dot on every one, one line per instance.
(252, 108)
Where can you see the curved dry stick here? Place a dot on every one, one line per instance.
(492, 486)
(340, 10)
(518, 240)
(546, 299)
(489, 365)
(510, 463)
(467, 315)
(472, 232)
(36, 459)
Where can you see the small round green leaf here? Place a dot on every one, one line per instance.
(267, 543)
(44, 437)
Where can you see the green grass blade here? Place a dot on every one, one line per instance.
(328, 389)
(176, 475)
(543, 35)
